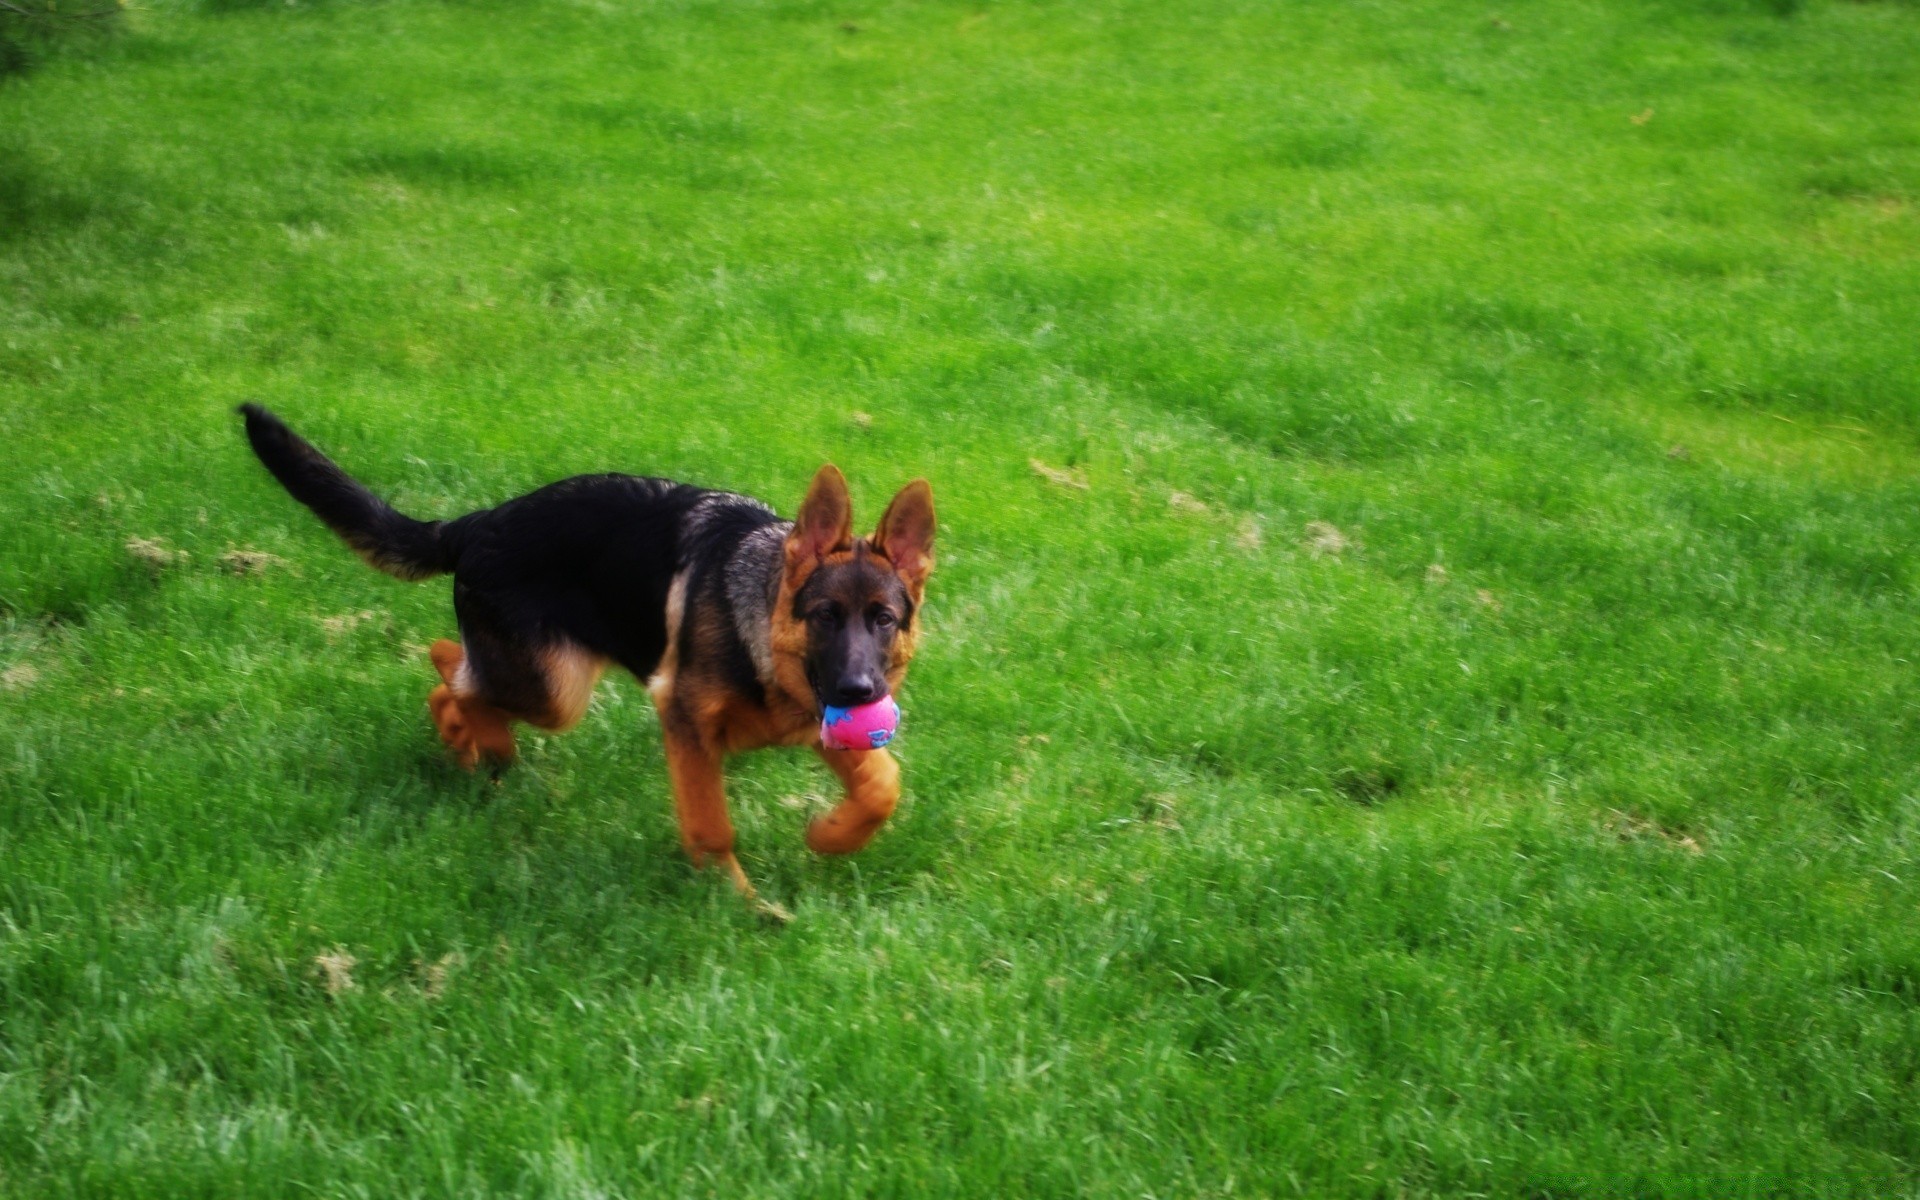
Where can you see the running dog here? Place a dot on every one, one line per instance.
(742, 625)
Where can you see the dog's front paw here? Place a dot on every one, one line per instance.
(841, 833)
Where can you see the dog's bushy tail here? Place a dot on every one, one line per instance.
(386, 538)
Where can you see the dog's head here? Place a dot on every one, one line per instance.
(847, 617)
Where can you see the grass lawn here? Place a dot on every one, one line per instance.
(1419, 696)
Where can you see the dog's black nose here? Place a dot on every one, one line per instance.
(855, 690)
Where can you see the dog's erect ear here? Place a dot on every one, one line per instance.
(905, 535)
(825, 523)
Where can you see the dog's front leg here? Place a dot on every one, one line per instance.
(700, 803)
(872, 780)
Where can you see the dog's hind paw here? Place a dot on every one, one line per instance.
(481, 733)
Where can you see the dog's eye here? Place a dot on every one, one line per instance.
(884, 618)
(824, 615)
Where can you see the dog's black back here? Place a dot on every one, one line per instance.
(590, 559)
(587, 563)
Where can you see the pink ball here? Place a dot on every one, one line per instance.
(862, 727)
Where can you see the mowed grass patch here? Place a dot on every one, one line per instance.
(1418, 692)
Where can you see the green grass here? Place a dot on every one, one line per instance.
(1548, 830)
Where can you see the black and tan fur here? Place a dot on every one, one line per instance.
(743, 625)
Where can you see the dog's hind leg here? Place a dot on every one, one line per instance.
(472, 728)
(872, 780)
(505, 669)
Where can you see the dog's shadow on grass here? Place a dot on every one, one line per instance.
(556, 827)
(568, 828)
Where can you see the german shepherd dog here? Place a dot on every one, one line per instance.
(743, 626)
